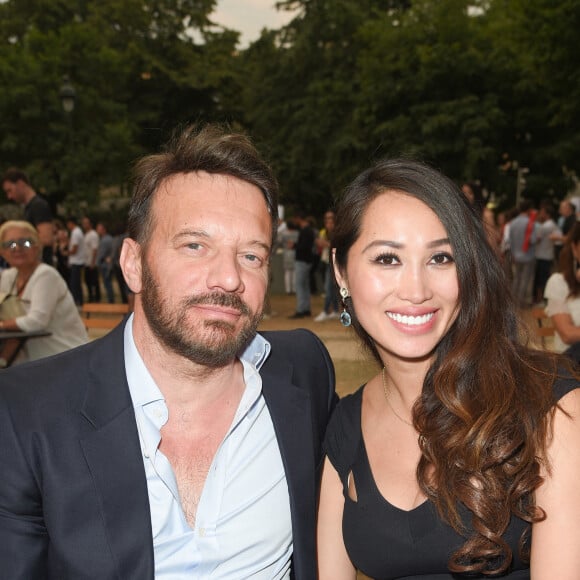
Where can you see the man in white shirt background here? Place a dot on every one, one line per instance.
(544, 248)
(76, 259)
(91, 271)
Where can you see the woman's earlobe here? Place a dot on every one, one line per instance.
(340, 280)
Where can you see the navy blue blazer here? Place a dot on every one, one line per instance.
(73, 492)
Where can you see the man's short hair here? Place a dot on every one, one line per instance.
(209, 148)
(13, 174)
(548, 207)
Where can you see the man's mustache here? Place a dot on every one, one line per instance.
(220, 299)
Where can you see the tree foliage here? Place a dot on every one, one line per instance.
(138, 69)
(461, 84)
(476, 87)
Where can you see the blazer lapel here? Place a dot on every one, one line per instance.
(289, 408)
(113, 454)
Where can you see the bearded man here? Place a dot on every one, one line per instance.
(184, 444)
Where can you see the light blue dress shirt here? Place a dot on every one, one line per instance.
(243, 524)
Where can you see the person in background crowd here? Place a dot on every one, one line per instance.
(330, 307)
(60, 250)
(544, 248)
(183, 444)
(562, 294)
(3, 263)
(474, 194)
(76, 259)
(287, 241)
(314, 273)
(91, 269)
(460, 457)
(522, 240)
(504, 220)
(304, 258)
(566, 221)
(36, 209)
(105, 260)
(45, 298)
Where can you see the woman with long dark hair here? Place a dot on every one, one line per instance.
(460, 458)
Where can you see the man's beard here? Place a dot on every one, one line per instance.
(213, 343)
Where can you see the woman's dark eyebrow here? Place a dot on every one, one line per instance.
(440, 242)
(398, 245)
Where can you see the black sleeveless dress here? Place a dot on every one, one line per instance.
(388, 543)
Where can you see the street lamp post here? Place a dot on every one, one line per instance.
(521, 182)
(68, 97)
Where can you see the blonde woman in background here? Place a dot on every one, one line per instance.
(44, 295)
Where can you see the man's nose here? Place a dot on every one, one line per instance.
(225, 272)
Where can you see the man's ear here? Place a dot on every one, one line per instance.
(130, 261)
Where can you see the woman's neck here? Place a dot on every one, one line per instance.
(24, 272)
(406, 378)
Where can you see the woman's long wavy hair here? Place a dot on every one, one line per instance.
(485, 411)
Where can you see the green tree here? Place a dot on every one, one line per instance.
(139, 67)
(459, 83)
(544, 33)
(300, 95)
(348, 81)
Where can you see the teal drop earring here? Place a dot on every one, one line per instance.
(345, 318)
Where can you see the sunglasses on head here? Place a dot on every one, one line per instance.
(25, 243)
